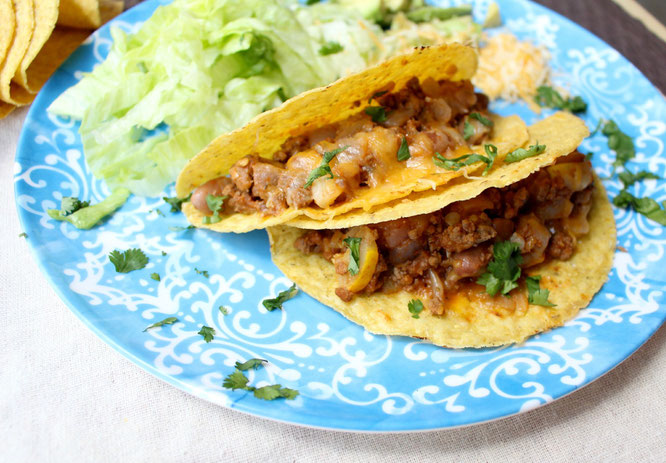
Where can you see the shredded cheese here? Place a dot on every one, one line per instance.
(511, 69)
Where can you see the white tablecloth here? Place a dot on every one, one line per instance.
(66, 396)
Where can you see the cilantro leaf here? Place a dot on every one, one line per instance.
(403, 151)
(479, 117)
(504, 270)
(155, 276)
(522, 153)
(126, 261)
(166, 321)
(223, 309)
(215, 204)
(620, 142)
(324, 168)
(177, 229)
(164, 253)
(275, 391)
(629, 178)
(281, 95)
(158, 212)
(415, 307)
(283, 296)
(549, 97)
(175, 202)
(354, 254)
(645, 206)
(377, 95)
(70, 204)
(377, 113)
(330, 48)
(535, 294)
(207, 332)
(235, 380)
(468, 159)
(23, 235)
(204, 273)
(468, 131)
(250, 364)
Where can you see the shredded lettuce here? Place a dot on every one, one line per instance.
(199, 68)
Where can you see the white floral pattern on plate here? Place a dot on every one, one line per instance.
(347, 378)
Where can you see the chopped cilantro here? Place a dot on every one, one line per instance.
(283, 296)
(164, 253)
(629, 178)
(479, 117)
(158, 212)
(23, 235)
(620, 142)
(250, 364)
(224, 310)
(504, 270)
(70, 204)
(177, 229)
(324, 168)
(354, 245)
(415, 307)
(468, 159)
(166, 321)
(522, 153)
(535, 294)
(403, 151)
(126, 261)
(207, 332)
(155, 276)
(645, 206)
(201, 272)
(330, 48)
(86, 217)
(235, 380)
(176, 203)
(275, 391)
(468, 131)
(377, 113)
(588, 156)
(215, 204)
(549, 97)
(377, 95)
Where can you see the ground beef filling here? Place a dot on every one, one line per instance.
(432, 116)
(436, 254)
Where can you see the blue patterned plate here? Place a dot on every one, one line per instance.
(347, 378)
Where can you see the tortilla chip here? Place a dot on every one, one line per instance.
(7, 27)
(25, 24)
(109, 9)
(318, 107)
(547, 132)
(572, 285)
(62, 43)
(6, 108)
(80, 14)
(45, 15)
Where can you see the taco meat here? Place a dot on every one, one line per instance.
(430, 117)
(437, 254)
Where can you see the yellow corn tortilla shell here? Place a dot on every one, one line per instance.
(62, 43)
(25, 24)
(7, 27)
(6, 108)
(547, 132)
(572, 285)
(81, 14)
(267, 132)
(322, 106)
(509, 134)
(45, 16)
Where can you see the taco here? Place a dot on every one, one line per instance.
(361, 142)
(475, 263)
